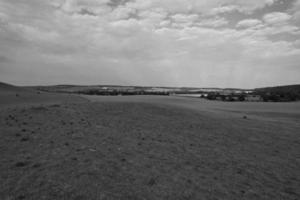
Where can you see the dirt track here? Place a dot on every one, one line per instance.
(148, 148)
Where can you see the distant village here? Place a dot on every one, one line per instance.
(275, 94)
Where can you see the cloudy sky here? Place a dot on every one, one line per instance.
(203, 43)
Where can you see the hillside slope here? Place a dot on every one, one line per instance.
(4, 87)
(14, 95)
(285, 88)
(280, 93)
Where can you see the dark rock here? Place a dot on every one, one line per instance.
(21, 197)
(24, 139)
(74, 158)
(152, 182)
(37, 165)
(21, 164)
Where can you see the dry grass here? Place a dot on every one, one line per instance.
(147, 148)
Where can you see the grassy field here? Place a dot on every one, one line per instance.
(147, 147)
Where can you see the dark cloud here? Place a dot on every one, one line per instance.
(116, 3)
(4, 59)
(85, 11)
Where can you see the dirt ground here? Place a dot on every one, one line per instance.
(146, 147)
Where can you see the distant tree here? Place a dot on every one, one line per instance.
(211, 96)
(241, 97)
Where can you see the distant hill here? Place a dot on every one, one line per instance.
(281, 89)
(280, 93)
(285, 88)
(8, 87)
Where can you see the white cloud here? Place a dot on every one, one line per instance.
(181, 18)
(97, 7)
(122, 12)
(276, 18)
(153, 17)
(205, 7)
(127, 26)
(213, 22)
(3, 17)
(165, 23)
(248, 23)
(30, 33)
(296, 16)
(224, 9)
(296, 4)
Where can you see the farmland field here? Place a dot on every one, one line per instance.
(147, 147)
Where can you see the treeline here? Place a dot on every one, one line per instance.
(280, 93)
(229, 97)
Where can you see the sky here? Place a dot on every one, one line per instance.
(192, 43)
